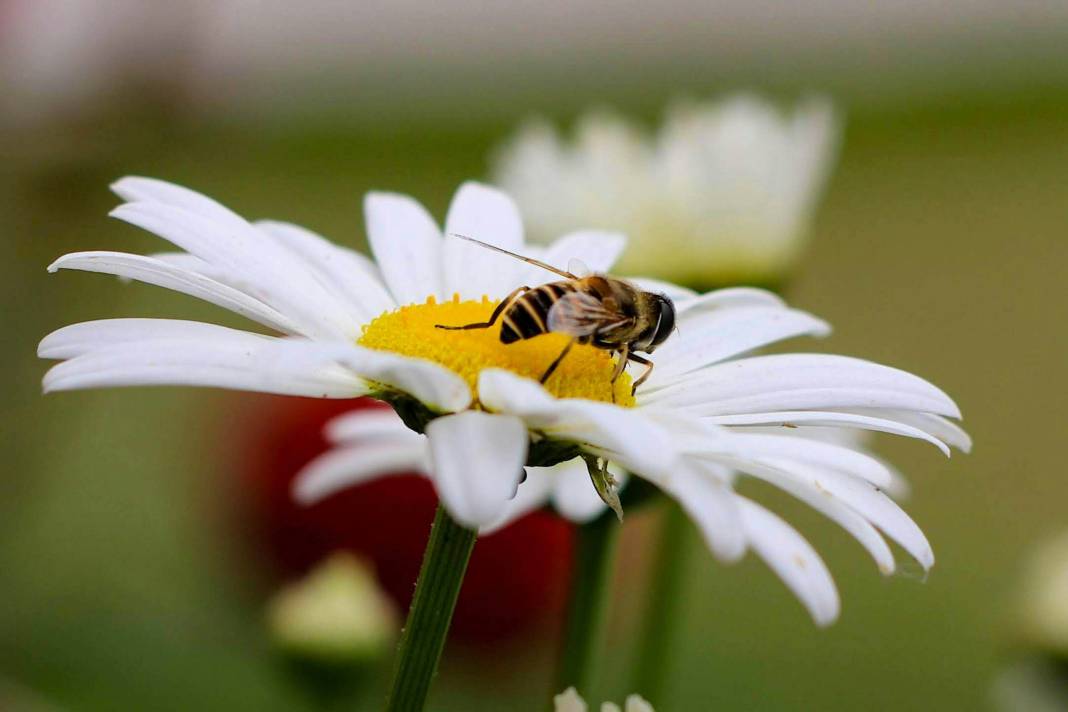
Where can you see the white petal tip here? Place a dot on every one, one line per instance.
(825, 620)
(453, 402)
(129, 210)
(474, 185)
(730, 555)
(384, 196)
(49, 384)
(61, 261)
(121, 185)
(134, 187)
(383, 200)
(303, 493)
(477, 463)
(825, 613)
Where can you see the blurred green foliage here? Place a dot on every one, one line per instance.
(941, 247)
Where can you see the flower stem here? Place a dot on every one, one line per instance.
(662, 606)
(591, 574)
(423, 639)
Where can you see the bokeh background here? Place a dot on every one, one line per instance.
(131, 574)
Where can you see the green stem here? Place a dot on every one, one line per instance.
(662, 606)
(423, 639)
(591, 574)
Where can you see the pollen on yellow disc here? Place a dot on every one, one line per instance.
(586, 372)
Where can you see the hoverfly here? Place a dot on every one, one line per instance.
(596, 309)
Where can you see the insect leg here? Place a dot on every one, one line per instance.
(505, 303)
(556, 362)
(641, 379)
(624, 354)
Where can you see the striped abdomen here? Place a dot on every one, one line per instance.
(528, 316)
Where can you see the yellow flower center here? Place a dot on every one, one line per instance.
(586, 372)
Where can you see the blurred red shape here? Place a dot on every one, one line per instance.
(517, 577)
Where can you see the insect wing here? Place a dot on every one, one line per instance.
(581, 314)
(578, 268)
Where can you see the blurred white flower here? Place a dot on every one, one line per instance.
(1031, 685)
(1043, 606)
(722, 194)
(354, 327)
(1035, 678)
(337, 614)
(570, 701)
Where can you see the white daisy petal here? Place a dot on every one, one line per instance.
(162, 274)
(625, 435)
(190, 263)
(711, 504)
(732, 297)
(267, 270)
(804, 420)
(792, 559)
(899, 488)
(838, 512)
(477, 463)
(229, 359)
(78, 339)
(348, 275)
(152, 190)
(435, 386)
(707, 337)
(489, 215)
(407, 245)
(934, 425)
(860, 496)
(345, 467)
(881, 511)
(759, 446)
(532, 494)
(800, 381)
(679, 295)
(689, 433)
(368, 425)
(597, 249)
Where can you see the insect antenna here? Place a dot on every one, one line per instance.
(528, 260)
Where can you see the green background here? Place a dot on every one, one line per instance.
(941, 247)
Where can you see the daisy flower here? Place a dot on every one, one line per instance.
(722, 193)
(348, 326)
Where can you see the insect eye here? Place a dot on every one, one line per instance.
(666, 324)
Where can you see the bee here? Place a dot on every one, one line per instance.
(602, 311)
